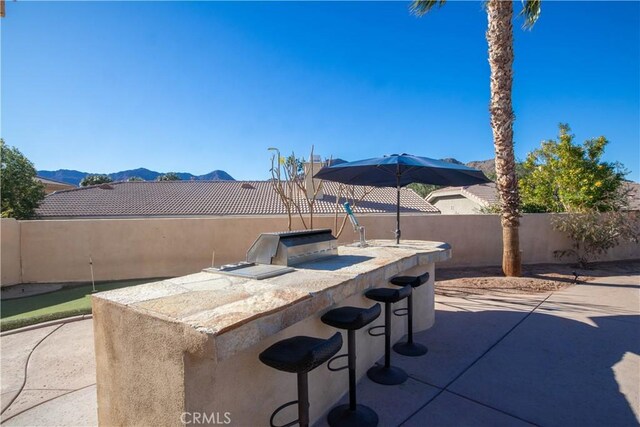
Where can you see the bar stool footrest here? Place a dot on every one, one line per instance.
(280, 408)
(333, 359)
(375, 334)
(401, 311)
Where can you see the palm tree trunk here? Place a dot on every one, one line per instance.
(500, 41)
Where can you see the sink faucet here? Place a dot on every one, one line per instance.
(356, 226)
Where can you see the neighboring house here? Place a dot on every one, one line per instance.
(634, 195)
(478, 198)
(472, 199)
(51, 186)
(210, 198)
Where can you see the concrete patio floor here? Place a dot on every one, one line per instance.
(569, 358)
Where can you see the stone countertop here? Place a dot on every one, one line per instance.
(226, 306)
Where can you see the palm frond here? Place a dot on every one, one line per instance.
(421, 7)
(531, 12)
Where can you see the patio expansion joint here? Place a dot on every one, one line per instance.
(45, 401)
(487, 351)
(26, 368)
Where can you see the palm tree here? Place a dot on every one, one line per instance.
(500, 41)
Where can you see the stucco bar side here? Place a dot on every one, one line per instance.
(168, 350)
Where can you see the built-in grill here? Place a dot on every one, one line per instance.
(273, 254)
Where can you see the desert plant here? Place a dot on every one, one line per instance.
(594, 233)
(288, 181)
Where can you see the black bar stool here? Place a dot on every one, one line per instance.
(351, 319)
(300, 355)
(409, 348)
(387, 374)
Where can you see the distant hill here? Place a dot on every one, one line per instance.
(452, 160)
(74, 177)
(486, 166)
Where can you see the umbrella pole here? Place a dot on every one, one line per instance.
(398, 211)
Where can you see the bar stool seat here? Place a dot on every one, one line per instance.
(409, 348)
(388, 295)
(351, 319)
(414, 281)
(300, 355)
(387, 374)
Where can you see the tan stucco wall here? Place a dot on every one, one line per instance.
(456, 205)
(10, 252)
(143, 358)
(58, 251)
(132, 347)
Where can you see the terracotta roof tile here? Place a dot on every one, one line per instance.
(202, 198)
(483, 194)
(487, 194)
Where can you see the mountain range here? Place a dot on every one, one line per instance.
(74, 177)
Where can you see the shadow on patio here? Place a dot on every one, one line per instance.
(515, 368)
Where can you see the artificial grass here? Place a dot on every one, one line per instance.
(66, 302)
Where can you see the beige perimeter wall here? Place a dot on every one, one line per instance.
(10, 251)
(59, 250)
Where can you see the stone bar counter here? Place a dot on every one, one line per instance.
(172, 351)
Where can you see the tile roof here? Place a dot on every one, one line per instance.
(483, 194)
(202, 198)
(54, 182)
(487, 194)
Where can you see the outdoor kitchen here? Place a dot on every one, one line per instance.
(191, 345)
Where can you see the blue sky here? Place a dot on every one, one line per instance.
(198, 86)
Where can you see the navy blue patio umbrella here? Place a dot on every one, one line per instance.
(399, 170)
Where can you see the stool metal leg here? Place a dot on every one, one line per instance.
(387, 374)
(387, 335)
(410, 317)
(351, 344)
(303, 399)
(352, 414)
(409, 348)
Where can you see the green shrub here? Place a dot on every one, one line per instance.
(594, 233)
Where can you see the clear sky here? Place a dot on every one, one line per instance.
(193, 87)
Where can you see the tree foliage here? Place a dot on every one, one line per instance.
(21, 192)
(594, 233)
(169, 176)
(95, 180)
(423, 190)
(134, 179)
(561, 176)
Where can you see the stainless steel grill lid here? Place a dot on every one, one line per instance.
(293, 247)
(273, 254)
